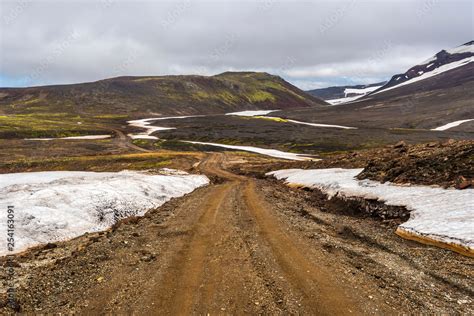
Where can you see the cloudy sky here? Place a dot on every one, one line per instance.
(310, 43)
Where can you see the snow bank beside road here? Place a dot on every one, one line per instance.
(445, 216)
(59, 205)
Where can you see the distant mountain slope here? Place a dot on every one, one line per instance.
(442, 94)
(165, 95)
(443, 61)
(414, 80)
(338, 92)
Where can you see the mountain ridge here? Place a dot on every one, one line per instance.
(444, 60)
(179, 94)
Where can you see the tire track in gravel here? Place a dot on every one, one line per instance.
(320, 295)
(219, 250)
(213, 272)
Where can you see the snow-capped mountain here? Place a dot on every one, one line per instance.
(443, 61)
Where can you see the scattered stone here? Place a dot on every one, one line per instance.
(462, 183)
(148, 258)
(50, 245)
(450, 165)
(400, 144)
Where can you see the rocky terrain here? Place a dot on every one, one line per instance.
(448, 164)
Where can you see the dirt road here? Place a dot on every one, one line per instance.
(224, 249)
(211, 269)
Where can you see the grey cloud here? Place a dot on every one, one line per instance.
(307, 42)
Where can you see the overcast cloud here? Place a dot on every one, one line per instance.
(310, 43)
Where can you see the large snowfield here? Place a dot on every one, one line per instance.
(59, 205)
(444, 215)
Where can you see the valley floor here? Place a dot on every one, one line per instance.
(244, 245)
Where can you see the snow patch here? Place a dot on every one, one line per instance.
(260, 113)
(252, 113)
(450, 125)
(74, 137)
(145, 124)
(267, 152)
(315, 124)
(343, 100)
(445, 215)
(60, 205)
(362, 91)
(461, 49)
